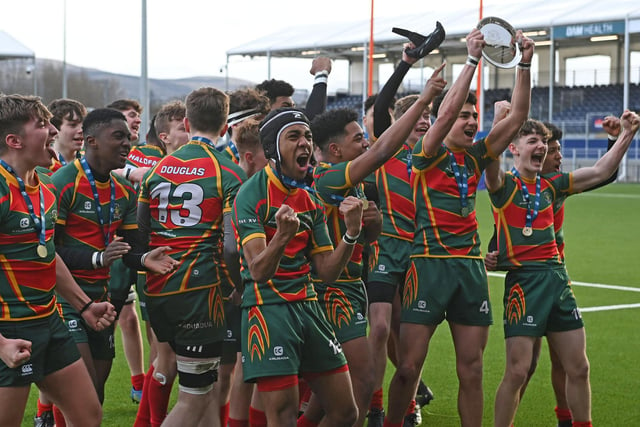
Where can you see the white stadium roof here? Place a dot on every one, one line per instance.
(458, 18)
(10, 48)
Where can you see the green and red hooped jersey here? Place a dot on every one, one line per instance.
(144, 156)
(396, 197)
(332, 183)
(27, 281)
(230, 151)
(187, 194)
(442, 231)
(78, 217)
(510, 210)
(254, 217)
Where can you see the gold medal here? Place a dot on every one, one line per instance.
(365, 204)
(42, 251)
(465, 211)
(527, 231)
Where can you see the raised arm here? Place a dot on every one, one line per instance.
(585, 178)
(493, 174)
(263, 259)
(393, 138)
(329, 265)
(455, 97)
(503, 132)
(381, 117)
(317, 102)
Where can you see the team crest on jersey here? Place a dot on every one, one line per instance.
(547, 197)
(257, 334)
(516, 305)
(338, 307)
(117, 212)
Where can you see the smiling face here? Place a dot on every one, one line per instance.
(69, 137)
(464, 129)
(133, 120)
(422, 126)
(113, 143)
(36, 140)
(553, 161)
(529, 152)
(351, 145)
(295, 149)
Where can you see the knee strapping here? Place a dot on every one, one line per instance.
(197, 376)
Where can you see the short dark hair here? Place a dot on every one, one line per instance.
(370, 101)
(435, 107)
(533, 127)
(66, 109)
(125, 104)
(274, 88)
(174, 110)
(330, 125)
(100, 118)
(207, 109)
(16, 111)
(556, 132)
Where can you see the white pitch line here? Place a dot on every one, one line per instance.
(612, 195)
(593, 285)
(586, 284)
(609, 307)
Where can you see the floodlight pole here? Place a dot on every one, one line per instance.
(144, 76)
(370, 62)
(479, 88)
(64, 50)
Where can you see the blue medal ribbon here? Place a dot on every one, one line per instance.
(409, 159)
(96, 199)
(205, 140)
(233, 149)
(460, 174)
(39, 223)
(531, 213)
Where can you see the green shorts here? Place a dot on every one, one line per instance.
(52, 349)
(102, 343)
(389, 261)
(539, 300)
(120, 281)
(288, 339)
(231, 342)
(455, 289)
(188, 318)
(142, 297)
(345, 307)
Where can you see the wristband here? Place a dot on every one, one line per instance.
(143, 257)
(127, 173)
(611, 137)
(86, 306)
(96, 260)
(101, 259)
(524, 65)
(472, 61)
(350, 240)
(321, 77)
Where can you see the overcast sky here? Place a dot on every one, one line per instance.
(185, 38)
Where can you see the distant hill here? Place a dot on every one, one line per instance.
(96, 88)
(164, 90)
